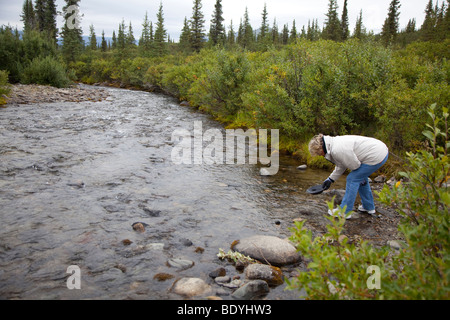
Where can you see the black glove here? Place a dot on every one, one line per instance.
(327, 184)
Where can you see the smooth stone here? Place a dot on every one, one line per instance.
(191, 287)
(268, 249)
(180, 263)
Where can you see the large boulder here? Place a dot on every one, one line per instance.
(268, 249)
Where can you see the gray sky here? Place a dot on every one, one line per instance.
(107, 14)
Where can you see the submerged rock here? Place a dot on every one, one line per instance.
(191, 287)
(272, 275)
(180, 264)
(251, 290)
(272, 250)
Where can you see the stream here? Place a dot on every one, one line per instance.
(75, 177)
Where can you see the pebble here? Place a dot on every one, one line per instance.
(302, 167)
(180, 264)
(224, 279)
(139, 227)
(220, 272)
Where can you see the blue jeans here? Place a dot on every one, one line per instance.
(358, 181)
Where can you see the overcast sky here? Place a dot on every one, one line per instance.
(107, 14)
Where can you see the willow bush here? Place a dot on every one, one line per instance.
(351, 87)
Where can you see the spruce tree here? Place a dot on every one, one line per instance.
(333, 28)
(28, 16)
(359, 31)
(145, 42)
(293, 34)
(390, 26)
(275, 34)
(50, 26)
(285, 35)
(429, 22)
(92, 38)
(40, 6)
(344, 22)
(130, 40)
(264, 30)
(231, 38)
(104, 45)
(71, 32)
(197, 28)
(114, 40)
(247, 36)
(184, 43)
(121, 37)
(160, 33)
(442, 23)
(217, 29)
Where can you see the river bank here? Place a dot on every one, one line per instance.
(28, 94)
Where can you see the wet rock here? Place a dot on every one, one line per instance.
(163, 276)
(127, 242)
(121, 267)
(154, 246)
(302, 167)
(151, 213)
(251, 290)
(186, 242)
(337, 193)
(76, 184)
(268, 249)
(190, 287)
(220, 272)
(272, 275)
(138, 226)
(224, 279)
(236, 283)
(380, 179)
(180, 264)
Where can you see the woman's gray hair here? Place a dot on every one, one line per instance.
(316, 145)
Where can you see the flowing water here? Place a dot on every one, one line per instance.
(75, 177)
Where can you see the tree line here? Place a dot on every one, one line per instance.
(155, 41)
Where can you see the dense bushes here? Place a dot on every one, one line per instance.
(350, 87)
(419, 269)
(45, 71)
(32, 59)
(4, 86)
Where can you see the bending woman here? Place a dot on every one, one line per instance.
(360, 154)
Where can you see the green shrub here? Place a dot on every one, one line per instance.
(46, 71)
(421, 269)
(4, 86)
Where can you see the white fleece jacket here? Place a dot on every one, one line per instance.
(349, 152)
